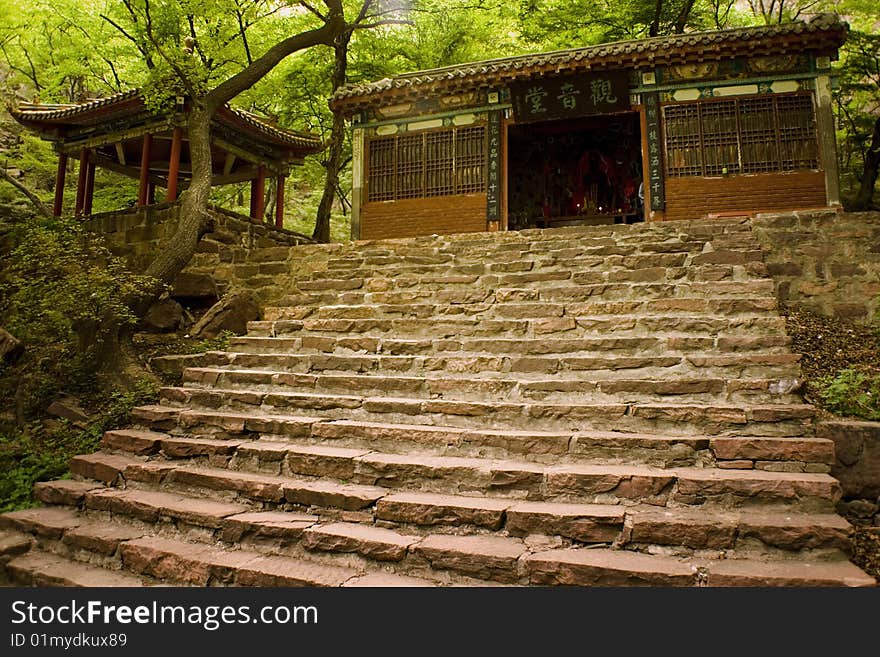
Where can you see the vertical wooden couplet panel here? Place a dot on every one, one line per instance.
(60, 175)
(655, 157)
(279, 202)
(493, 180)
(143, 188)
(81, 180)
(174, 164)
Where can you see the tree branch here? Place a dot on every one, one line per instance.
(38, 204)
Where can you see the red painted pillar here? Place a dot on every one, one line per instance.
(145, 169)
(279, 202)
(58, 207)
(174, 164)
(90, 187)
(81, 182)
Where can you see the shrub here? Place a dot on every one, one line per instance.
(852, 392)
(64, 295)
(42, 451)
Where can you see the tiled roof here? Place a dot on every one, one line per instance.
(824, 32)
(94, 112)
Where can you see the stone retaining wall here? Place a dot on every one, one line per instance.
(857, 461)
(228, 255)
(826, 262)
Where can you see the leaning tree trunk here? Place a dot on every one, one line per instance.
(869, 173)
(176, 252)
(337, 140)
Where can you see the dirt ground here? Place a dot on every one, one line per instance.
(828, 345)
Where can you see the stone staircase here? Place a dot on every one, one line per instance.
(612, 405)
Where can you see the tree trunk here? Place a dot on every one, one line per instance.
(865, 196)
(654, 28)
(337, 140)
(193, 220)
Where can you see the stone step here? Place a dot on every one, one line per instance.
(530, 382)
(586, 302)
(350, 440)
(735, 532)
(486, 300)
(604, 567)
(741, 530)
(269, 408)
(693, 345)
(375, 473)
(501, 366)
(37, 568)
(203, 565)
(547, 447)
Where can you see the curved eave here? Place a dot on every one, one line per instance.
(708, 46)
(297, 143)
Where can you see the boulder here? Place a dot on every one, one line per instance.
(11, 348)
(69, 409)
(163, 316)
(231, 313)
(195, 286)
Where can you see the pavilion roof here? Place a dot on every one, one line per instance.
(824, 34)
(130, 104)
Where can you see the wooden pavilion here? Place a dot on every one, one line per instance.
(121, 134)
(723, 122)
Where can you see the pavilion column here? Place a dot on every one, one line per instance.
(174, 164)
(151, 193)
(90, 187)
(143, 190)
(58, 206)
(258, 191)
(279, 201)
(82, 175)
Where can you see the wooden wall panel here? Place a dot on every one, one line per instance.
(439, 215)
(693, 197)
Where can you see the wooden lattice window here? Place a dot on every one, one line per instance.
(758, 134)
(433, 163)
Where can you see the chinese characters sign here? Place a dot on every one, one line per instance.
(558, 98)
(493, 187)
(655, 160)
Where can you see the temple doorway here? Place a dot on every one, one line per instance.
(575, 172)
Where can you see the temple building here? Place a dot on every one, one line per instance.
(121, 134)
(683, 127)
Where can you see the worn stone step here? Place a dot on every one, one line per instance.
(150, 506)
(260, 412)
(605, 567)
(493, 558)
(589, 523)
(376, 472)
(68, 492)
(683, 418)
(366, 540)
(531, 382)
(740, 530)
(459, 364)
(38, 568)
(592, 303)
(203, 565)
(49, 522)
(289, 335)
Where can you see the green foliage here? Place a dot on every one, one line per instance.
(64, 296)
(42, 452)
(852, 392)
